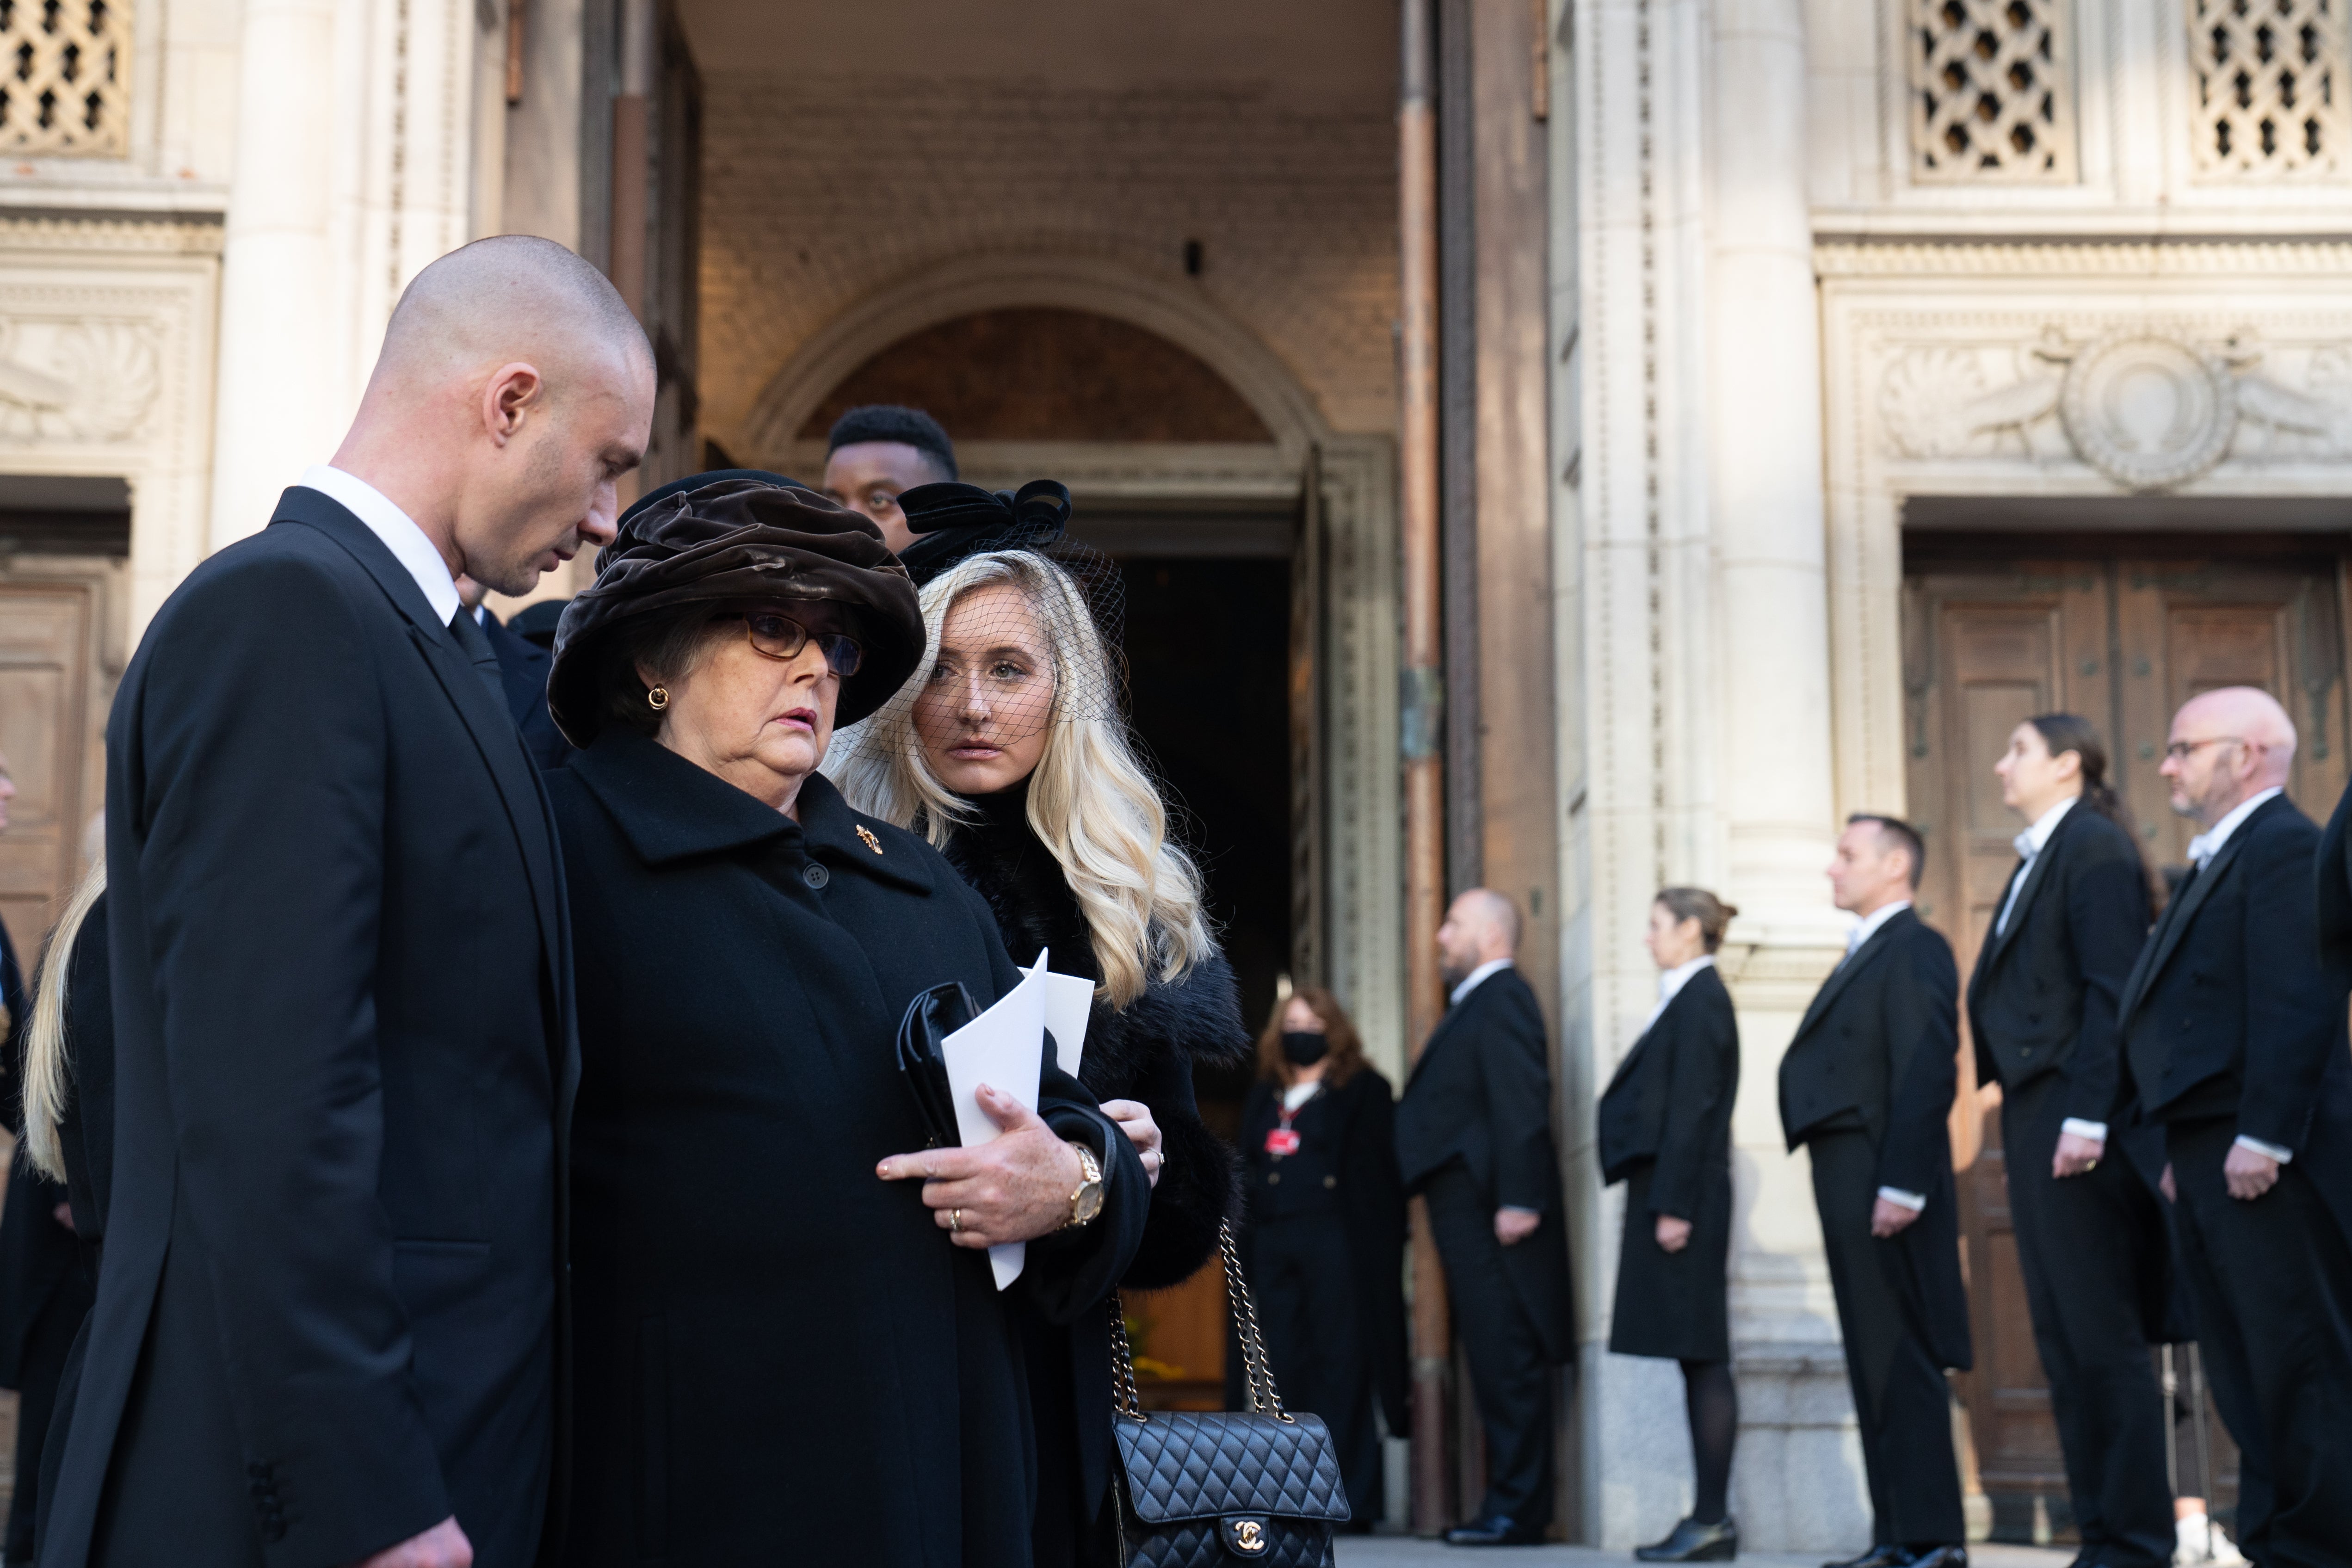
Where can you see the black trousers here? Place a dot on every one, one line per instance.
(1308, 1306)
(1507, 1370)
(46, 1349)
(2271, 1282)
(2087, 1245)
(1900, 1398)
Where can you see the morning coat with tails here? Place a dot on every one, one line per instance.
(784, 1358)
(1878, 1053)
(1665, 1125)
(1480, 1093)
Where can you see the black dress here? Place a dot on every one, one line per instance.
(1143, 1052)
(1323, 1243)
(781, 1356)
(1665, 1129)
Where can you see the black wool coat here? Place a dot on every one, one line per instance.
(38, 1257)
(1145, 1052)
(1480, 1092)
(1878, 1051)
(1349, 1136)
(781, 1356)
(2230, 1011)
(1665, 1124)
(332, 1312)
(86, 1131)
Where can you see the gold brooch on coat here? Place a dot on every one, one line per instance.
(871, 842)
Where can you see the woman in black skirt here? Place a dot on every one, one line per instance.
(1666, 1131)
(1323, 1239)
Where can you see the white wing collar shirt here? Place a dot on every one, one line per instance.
(396, 528)
(2201, 850)
(1476, 978)
(1670, 985)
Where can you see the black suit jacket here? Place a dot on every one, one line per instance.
(2043, 995)
(522, 671)
(331, 1312)
(1878, 1052)
(2334, 890)
(2230, 1012)
(1671, 1099)
(1481, 1094)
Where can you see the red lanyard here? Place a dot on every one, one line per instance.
(1281, 1140)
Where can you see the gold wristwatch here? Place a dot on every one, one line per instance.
(1088, 1201)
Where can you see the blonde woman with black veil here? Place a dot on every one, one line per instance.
(1008, 751)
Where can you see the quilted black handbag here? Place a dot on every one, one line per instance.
(1210, 1488)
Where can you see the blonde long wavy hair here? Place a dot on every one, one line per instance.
(46, 1069)
(1091, 803)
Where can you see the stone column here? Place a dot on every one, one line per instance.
(283, 389)
(1798, 1482)
(1764, 459)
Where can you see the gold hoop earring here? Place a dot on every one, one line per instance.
(658, 698)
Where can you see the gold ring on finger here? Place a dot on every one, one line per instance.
(955, 1220)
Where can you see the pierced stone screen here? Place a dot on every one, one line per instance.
(2270, 87)
(65, 78)
(1989, 90)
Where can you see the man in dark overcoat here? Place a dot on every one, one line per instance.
(2234, 1044)
(2089, 1223)
(1865, 1087)
(331, 1324)
(1474, 1137)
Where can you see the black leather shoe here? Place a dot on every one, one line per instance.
(1877, 1557)
(1695, 1542)
(1940, 1557)
(1497, 1530)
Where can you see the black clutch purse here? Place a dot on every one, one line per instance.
(1209, 1488)
(931, 1017)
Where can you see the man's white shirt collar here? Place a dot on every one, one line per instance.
(1477, 977)
(1871, 921)
(2208, 844)
(1671, 982)
(396, 528)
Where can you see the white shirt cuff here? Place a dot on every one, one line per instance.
(2096, 1132)
(2282, 1155)
(1901, 1199)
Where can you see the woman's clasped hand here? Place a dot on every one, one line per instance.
(1014, 1188)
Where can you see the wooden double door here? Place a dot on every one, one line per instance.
(2121, 630)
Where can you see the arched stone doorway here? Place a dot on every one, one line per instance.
(1199, 463)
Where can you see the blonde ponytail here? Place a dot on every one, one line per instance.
(46, 1069)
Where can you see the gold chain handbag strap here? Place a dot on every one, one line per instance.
(1258, 1374)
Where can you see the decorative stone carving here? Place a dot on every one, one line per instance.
(2149, 410)
(89, 380)
(67, 87)
(1989, 88)
(2270, 87)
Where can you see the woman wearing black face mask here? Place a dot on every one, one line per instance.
(1323, 1235)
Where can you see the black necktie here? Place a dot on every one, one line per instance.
(476, 646)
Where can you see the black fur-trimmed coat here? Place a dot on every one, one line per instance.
(1144, 1052)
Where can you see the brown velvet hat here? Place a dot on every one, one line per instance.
(739, 540)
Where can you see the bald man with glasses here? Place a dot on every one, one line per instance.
(2234, 1042)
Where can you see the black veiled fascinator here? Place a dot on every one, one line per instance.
(741, 538)
(953, 522)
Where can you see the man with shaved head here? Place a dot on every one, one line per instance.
(2234, 1042)
(1474, 1137)
(330, 1323)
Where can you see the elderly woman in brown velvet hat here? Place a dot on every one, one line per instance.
(789, 1345)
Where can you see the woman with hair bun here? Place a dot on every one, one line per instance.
(1665, 1129)
(2091, 1234)
(1007, 752)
